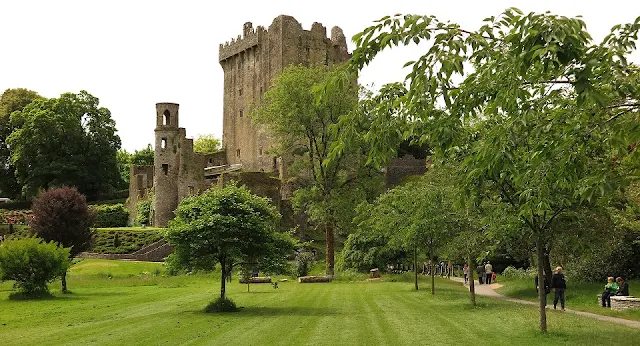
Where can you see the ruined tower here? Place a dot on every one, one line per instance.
(178, 171)
(250, 63)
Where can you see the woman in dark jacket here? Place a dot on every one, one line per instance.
(558, 285)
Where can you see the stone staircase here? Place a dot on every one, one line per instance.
(154, 252)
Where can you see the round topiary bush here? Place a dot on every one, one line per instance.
(32, 263)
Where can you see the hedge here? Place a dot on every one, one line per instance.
(115, 215)
(124, 240)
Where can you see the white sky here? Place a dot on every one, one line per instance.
(133, 54)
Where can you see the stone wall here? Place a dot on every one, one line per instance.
(140, 183)
(401, 168)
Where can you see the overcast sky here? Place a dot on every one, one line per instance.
(133, 54)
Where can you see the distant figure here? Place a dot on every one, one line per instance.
(610, 288)
(254, 273)
(547, 289)
(558, 285)
(623, 287)
(465, 270)
(480, 270)
(275, 285)
(488, 271)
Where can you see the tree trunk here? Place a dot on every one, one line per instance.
(64, 282)
(548, 273)
(472, 285)
(415, 265)
(542, 294)
(223, 281)
(433, 279)
(330, 256)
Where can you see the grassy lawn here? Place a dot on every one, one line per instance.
(123, 303)
(580, 296)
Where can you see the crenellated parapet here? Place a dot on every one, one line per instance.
(250, 38)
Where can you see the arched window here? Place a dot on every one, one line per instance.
(166, 117)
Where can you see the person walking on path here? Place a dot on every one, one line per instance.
(558, 285)
(488, 271)
(465, 269)
(480, 271)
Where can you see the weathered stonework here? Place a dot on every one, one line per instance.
(403, 167)
(624, 303)
(250, 63)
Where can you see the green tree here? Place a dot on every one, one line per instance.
(65, 141)
(229, 226)
(10, 101)
(32, 263)
(206, 144)
(546, 117)
(305, 130)
(61, 215)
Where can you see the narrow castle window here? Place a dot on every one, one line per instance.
(210, 160)
(165, 168)
(260, 150)
(240, 91)
(191, 191)
(163, 145)
(166, 117)
(241, 113)
(237, 152)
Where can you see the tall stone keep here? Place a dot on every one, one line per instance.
(250, 63)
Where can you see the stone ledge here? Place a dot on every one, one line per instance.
(624, 303)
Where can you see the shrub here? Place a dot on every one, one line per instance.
(32, 263)
(144, 207)
(115, 215)
(221, 305)
(304, 260)
(520, 273)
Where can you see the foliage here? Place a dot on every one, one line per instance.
(144, 210)
(113, 215)
(32, 263)
(304, 127)
(206, 144)
(519, 273)
(221, 305)
(124, 240)
(68, 140)
(545, 117)
(364, 250)
(229, 226)
(125, 159)
(60, 214)
(11, 100)
(304, 260)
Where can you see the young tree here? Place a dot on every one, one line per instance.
(206, 144)
(65, 141)
(125, 159)
(61, 215)
(549, 118)
(305, 130)
(32, 263)
(10, 101)
(229, 226)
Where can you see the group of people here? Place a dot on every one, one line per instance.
(485, 273)
(617, 287)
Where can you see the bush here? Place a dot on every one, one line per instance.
(519, 273)
(221, 305)
(304, 260)
(144, 207)
(115, 215)
(32, 263)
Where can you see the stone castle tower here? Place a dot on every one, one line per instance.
(250, 63)
(178, 171)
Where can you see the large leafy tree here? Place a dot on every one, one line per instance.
(61, 215)
(228, 226)
(547, 118)
(69, 140)
(304, 128)
(11, 100)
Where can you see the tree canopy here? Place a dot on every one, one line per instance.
(206, 144)
(546, 118)
(125, 159)
(68, 140)
(228, 226)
